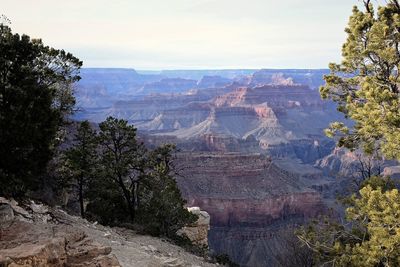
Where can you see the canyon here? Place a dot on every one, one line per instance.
(252, 151)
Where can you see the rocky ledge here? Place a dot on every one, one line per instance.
(36, 235)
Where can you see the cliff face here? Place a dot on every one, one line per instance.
(168, 85)
(271, 114)
(101, 87)
(260, 213)
(312, 78)
(244, 193)
(213, 82)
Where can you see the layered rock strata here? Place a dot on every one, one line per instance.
(250, 200)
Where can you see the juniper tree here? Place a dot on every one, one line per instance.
(122, 159)
(35, 97)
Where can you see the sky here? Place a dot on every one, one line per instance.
(188, 34)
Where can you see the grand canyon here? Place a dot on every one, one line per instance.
(252, 148)
(200, 133)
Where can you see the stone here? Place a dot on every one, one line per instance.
(38, 208)
(38, 244)
(6, 213)
(17, 209)
(171, 262)
(248, 198)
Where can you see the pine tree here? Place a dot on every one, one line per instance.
(81, 162)
(371, 236)
(366, 87)
(366, 84)
(122, 159)
(163, 209)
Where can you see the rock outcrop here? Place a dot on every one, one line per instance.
(198, 231)
(28, 239)
(35, 235)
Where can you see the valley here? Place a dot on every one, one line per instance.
(253, 153)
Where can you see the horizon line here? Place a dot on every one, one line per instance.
(203, 69)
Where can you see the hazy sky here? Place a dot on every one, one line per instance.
(187, 34)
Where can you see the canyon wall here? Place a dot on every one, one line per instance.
(250, 200)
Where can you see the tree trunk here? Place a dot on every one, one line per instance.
(131, 208)
(81, 199)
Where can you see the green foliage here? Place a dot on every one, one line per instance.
(366, 84)
(380, 212)
(80, 162)
(375, 182)
(372, 235)
(35, 97)
(366, 87)
(163, 206)
(106, 204)
(129, 184)
(122, 159)
(184, 242)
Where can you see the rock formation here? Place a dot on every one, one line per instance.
(35, 235)
(312, 78)
(249, 198)
(198, 231)
(168, 85)
(28, 240)
(213, 82)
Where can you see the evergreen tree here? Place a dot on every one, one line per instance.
(366, 84)
(35, 97)
(81, 162)
(366, 87)
(163, 208)
(370, 238)
(122, 159)
(106, 203)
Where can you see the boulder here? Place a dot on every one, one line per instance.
(38, 208)
(198, 231)
(14, 205)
